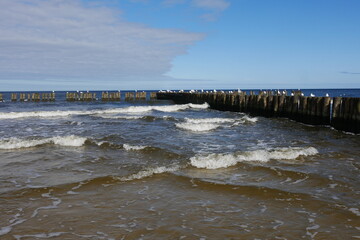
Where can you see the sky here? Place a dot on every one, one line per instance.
(179, 44)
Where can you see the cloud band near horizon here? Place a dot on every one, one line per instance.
(59, 39)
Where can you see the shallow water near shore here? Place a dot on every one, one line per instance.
(157, 170)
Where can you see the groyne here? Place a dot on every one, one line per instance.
(107, 96)
(340, 113)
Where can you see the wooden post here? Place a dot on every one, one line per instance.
(153, 95)
(129, 96)
(325, 115)
(22, 97)
(13, 97)
(281, 106)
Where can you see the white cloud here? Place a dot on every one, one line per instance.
(59, 39)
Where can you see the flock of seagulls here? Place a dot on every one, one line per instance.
(278, 92)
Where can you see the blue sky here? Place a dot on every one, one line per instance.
(179, 44)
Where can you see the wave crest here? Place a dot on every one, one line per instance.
(129, 147)
(218, 160)
(209, 120)
(132, 109)
(204, 127)
(16, 143)
(148, 172)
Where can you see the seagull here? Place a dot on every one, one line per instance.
(327, 95)
(312, 95)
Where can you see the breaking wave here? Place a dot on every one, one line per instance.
(146, 118)
(132, 109)
(209, 120)
(217, 160)
(204, 127)
(16, 143)
(148, 172)
(129, 147)
(208, 124)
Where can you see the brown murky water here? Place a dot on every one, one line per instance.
(164, 171)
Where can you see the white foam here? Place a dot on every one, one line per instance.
(120, 117)
(71, 141)
(218, 160)
(132, 109)
(203, 127)
(355, 211)
(149, 172)
(16, 143)
(209, 120)
(5, 230)
(40, 235)
(250, 119)
(129, 147)
(199, 106)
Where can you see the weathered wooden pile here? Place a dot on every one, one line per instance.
(33, 97)
(80, 96)
(340, 112)
(110, 96)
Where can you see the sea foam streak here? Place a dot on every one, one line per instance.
(149, 172)
(209, 120)
(16, 143)
(132, 109)
(204, 127)
(216, 160)
(208, 124)
(129, 147)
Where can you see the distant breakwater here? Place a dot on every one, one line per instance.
(79, 96)
(341, 113)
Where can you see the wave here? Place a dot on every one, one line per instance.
(16, 143)
(217, 160)
(129, 147)
(132, 109)
(249, 119)
(148, 172)
(146, 118)
(209, 120)
(208, 124)
(204, 127)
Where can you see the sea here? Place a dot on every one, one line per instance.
(157, 170)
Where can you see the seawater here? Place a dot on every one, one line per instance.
(157, 170)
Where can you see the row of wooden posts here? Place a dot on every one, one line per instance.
(339, 112)
(108, 96)
(33, 97)
(78, 96)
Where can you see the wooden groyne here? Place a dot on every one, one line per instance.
(110, 96)
(341, 113)
(106, 96)
(32, 97)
